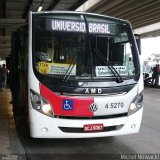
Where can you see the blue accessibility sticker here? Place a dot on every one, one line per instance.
(67, 104)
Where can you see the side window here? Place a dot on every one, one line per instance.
(138, 41)
(128, 60)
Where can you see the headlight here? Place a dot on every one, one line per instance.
(40, 104)
(136, 104)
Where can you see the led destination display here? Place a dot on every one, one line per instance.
(77, 26)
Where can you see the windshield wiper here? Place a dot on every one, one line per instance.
(119, 78)
(72, 64)
(110, 66)
(70, 68)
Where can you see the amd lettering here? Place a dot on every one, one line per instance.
(93, 91)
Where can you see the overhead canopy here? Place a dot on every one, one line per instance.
(14, 13)
(139, 12)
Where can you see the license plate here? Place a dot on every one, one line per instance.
(93, 127)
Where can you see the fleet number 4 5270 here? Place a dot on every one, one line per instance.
(114, 105)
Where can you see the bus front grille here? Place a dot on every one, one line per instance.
(93, 117)
(80, 130)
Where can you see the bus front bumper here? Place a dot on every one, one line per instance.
(42, 126)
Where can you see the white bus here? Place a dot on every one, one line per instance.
(84, 76)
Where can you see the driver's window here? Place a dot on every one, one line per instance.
(128, 61)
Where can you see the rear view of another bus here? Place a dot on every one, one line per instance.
(84, 76)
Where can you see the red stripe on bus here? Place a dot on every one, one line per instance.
(80, 104)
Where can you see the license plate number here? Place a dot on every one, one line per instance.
(93, 127)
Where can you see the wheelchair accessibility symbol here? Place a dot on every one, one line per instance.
(67, 104)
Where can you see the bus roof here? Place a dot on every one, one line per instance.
(79, 12)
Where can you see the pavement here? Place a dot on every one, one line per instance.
(10, 145)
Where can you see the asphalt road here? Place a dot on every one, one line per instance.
(147, 141)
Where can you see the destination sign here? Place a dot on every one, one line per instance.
(77, 26)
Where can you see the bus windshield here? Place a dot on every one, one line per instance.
(82, 47)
